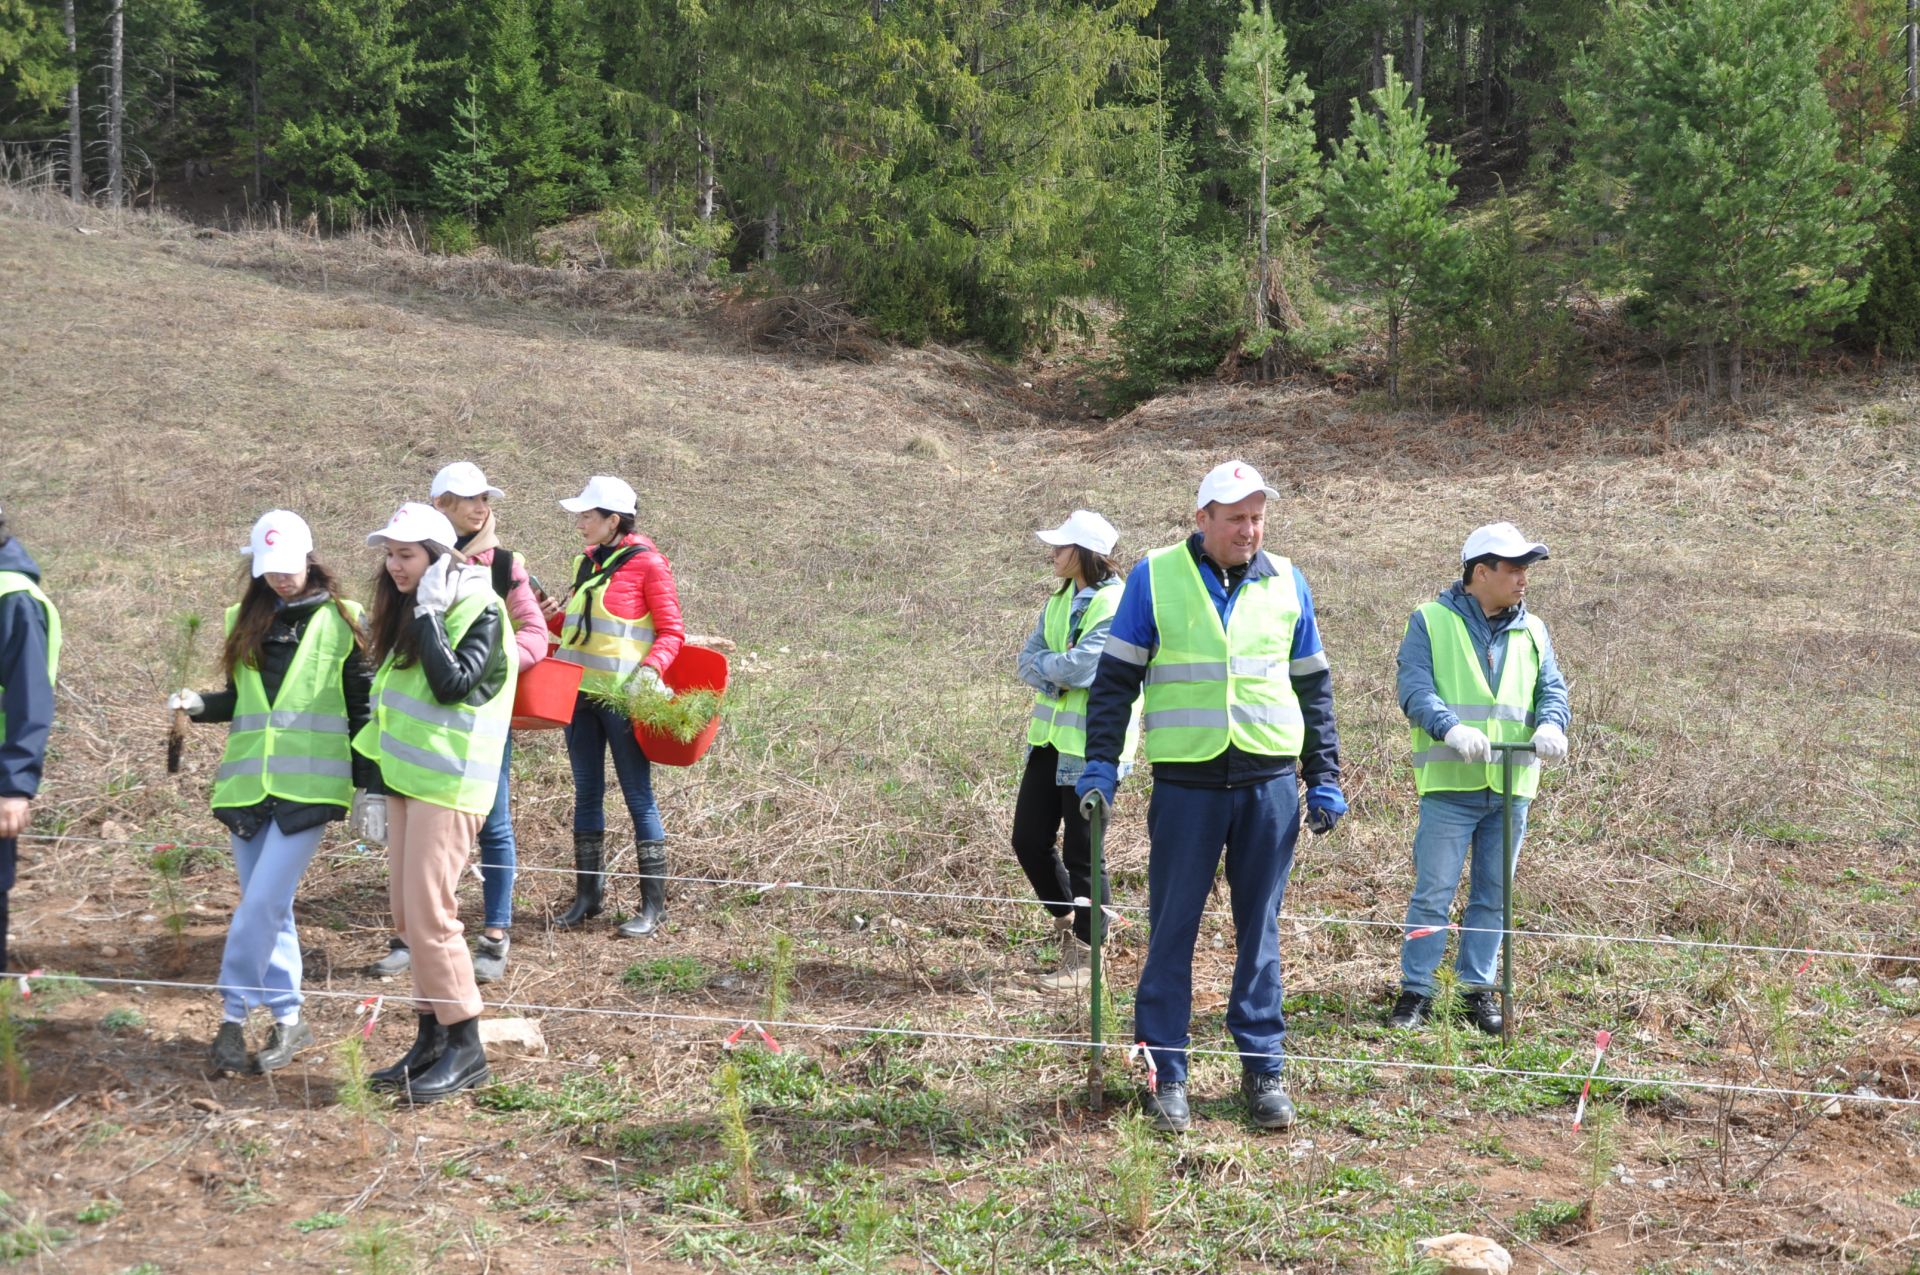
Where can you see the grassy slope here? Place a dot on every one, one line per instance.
(1735, 604)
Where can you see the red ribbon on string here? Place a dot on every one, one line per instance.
(1601, 1039)
(26, 988)
(733, 1041)
(1426, 930)
(372, 1003)
(1140, 1050)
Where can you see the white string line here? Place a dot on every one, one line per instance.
(1300, 918)
(723, 1020)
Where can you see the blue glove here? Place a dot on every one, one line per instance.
(1099, 777)
(1325, 804)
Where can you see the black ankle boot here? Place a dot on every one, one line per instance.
(428, 1045)
(589, 886)
(462, 1066)
(653, 892)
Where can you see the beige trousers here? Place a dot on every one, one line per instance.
(427, 847)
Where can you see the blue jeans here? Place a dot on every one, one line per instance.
(263, 949)
(1451, 823)
(1188, 827)
(497, 855)
(595, 732)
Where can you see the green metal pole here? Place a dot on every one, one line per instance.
(1506, 885)
(1097, 834)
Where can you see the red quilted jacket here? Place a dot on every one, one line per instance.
(643, 585)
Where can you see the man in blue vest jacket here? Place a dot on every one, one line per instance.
(26, 703)
(1234, 734)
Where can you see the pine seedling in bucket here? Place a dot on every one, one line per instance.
(187, 628)
(683, 715)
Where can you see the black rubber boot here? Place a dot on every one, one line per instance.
(428, 1045)
(462, 1066)
(589, 885)
(653, 892)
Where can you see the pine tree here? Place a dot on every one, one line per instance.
(1889, 318)
(1736, 215)
(1270, 127)
(34, 71)
(333, 75)
(466, 176)
(1387, 193)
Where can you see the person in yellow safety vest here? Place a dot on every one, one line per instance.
(620, 622)
(29, 661)
(442, 704)
(1475, 669)
(1058, 662)
(1238, 717)
(297, 684)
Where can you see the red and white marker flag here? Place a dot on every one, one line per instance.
(733, 1041)
(1601, 1039)
(1426, 930)
(26, 988)
(1140, 1050)
(371, 1008)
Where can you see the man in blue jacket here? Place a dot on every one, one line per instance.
(29, 651)
(1238, 712)
(1476, 668)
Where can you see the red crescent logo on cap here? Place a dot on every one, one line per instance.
(272, 537)
(1237, 473)
(398, 515)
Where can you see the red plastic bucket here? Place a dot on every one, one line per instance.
(544, 697)
(696, 668)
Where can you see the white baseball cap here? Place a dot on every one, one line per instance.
(1085, 528)
(1231, 483)
(1502, 540)
(602, 492)
(280, 543)
(413, 523)
(463, 478)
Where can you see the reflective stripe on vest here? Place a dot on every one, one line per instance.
(295, 749)
(1061, 721)
(20, 582)
(1461, 682)
(1209, 686)
(609, 648)
(447, 754)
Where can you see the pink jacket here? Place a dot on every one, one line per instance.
(529, 625)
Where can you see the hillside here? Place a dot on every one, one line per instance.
(1734, 599)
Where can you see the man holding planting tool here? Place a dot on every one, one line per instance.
(1477, 677)
(1238, 713)
(29, 658)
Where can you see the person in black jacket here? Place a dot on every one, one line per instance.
(296, 691)
(29, 656)
(442, 706)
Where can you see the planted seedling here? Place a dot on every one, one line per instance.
(738, 1141)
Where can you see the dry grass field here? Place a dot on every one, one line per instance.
(1736, 601)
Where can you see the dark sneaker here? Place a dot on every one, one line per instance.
(1267, 1100)
(230, 1049)
(1483, 1006)
(1167, 1107)
(283, 1042)
(1410, 1011)
(398, 959)
(490, 959)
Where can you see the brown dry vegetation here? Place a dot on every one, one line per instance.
(1734, 600)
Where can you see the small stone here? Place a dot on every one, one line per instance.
(109, 951)
(1906, 981)
(112, 831)
(521, 1032)
(1463, 1254)
(1658, 1184)
(1833, 1108)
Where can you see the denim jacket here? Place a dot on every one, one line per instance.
(1051, 672)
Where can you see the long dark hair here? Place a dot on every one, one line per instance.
(388, 630)
(258, 606)
(1089, 566)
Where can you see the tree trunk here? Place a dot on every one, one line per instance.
(1260, 211)
(1460, 40)
(1711, 359)
(1913, 53)
(116, 108)
(253, 107)
(76, 174)
(1733, 370)
(1417, 55)
(1487, 35)
(1393, 355)
(1377, 68)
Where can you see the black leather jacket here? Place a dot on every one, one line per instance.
(470, 673)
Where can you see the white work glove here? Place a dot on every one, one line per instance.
(367, 819)
(1550, 742)
(434, 594)
(648, 678)
(186, 700)
(1471, 744)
